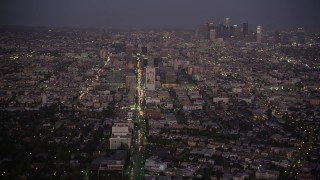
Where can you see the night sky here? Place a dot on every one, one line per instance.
(271, 14)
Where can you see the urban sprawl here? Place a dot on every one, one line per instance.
(220, 102)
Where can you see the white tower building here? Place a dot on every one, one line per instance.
(259, 34)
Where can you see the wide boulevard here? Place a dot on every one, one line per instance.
(136, 166)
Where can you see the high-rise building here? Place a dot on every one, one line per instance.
(227, 22)
(245, 29)
(150, 78)
(259, 34)
(211, 26)
(220, 30)
(225, 31)
(212, 34)
(231, 30)
(206, 30)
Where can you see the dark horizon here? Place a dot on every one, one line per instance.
(165, 14)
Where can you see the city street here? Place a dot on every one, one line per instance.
(136, 168)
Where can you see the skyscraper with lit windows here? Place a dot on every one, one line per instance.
(259, 34)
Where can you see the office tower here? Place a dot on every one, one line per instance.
(150, 78)
(245, 29)
(206, 30)
(231, 30)
(225, 30)
(300, 36)
(259, 34)
(211, 26)
(220, 31)
(227, 22)
(237, 31)
(212, 34)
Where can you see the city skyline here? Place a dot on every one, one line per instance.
(91, 104)
(159, 90)
(272, 15)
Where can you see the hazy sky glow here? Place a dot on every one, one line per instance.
(271, 14)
